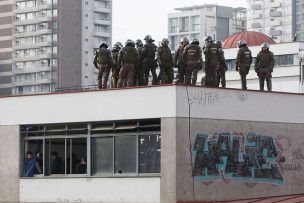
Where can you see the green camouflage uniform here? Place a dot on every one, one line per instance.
(243, 62)
(103, 62)
(165, 62)
(264, 67)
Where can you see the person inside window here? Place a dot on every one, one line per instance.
(81, 167)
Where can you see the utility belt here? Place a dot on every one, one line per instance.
(264, 66)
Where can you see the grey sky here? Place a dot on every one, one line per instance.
(134, 19)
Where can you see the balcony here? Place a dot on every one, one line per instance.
(275, 14)
(101, 34)
(256, 25)
(33, 33)
(102, 9)
(31, 58)
(31, 70)
(275, 22)
(29, 46)
(102, 22)
(257, 15)
(276, 32)
(256, 7)
(275, 4)
(32, 82)
(17, 9)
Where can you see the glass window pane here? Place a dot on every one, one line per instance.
(102, 155)
(55, 158)
(33, 161)
(149, 154)
(79, 156)
(125, 154)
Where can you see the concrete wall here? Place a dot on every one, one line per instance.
(137, 190)
(9, 159)
(288, 139)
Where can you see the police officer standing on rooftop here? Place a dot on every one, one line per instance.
(103, 62)
(243, 62)
(116, 67)
(139, 77)
(178, 60)
(221, 71)
(165, 62)
(264, 66)
(212, 60)
(149, 63)
(128, 59)
(192, 56)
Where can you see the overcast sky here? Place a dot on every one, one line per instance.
(133, 19)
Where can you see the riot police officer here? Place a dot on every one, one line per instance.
(192, 56)
(149, 63)
(243, 62)
(264, 66)
(178, 60)
(139, 73)
(212, 60)
(165, 62)
(128, 59)
(116, 67)
(221, 71)
(103, 62)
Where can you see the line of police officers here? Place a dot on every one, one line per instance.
(131, 64)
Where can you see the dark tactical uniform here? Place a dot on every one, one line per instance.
(103, 62)
(212, 59)
(192, 56)
(264, 66)
(128, 58)
(149, 63)
(139, 72)
(243, 62)
(165, 62)
(179, 62)
(115, 68)
(221, 71)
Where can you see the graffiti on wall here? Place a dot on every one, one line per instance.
(235, 157)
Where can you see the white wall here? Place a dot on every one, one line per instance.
(139, 103)
(110, 190)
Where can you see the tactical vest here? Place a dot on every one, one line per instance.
(129, 55)
(180, 53)
(213, 52)
(265, 59)
(103, 57)
(245, 57)
(150, 51)
(115, 58)
(193, 53)
(165, 54)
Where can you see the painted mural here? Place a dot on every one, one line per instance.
(230, 157)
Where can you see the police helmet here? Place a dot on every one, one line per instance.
(148, 38)
(265, 45)
(195, 41)
(104, 44)
(242, 43)
(115, 49)
(219, 43)
(208, 39)
(119, 44)
(139, 42)
(184, 40)
(130, 42)
(165, 41)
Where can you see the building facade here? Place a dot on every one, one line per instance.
(280, 19)
(216, 21)
(54, 41)
(6, 16)
(190, 143)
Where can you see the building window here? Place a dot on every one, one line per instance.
(116, 148)
(86, 27)
(173, 25)
(86, 52)
(184, 24)
(195, 23)
(86, 15)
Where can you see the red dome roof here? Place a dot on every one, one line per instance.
(252, 38)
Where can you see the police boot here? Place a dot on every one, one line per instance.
(261, 80)
(269, 84)
(244, 83)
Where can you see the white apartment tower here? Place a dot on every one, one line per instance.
(280, 19)
(53, 43)
(216, 21)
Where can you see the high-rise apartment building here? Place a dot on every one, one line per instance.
(279, 19)
(239, 21)
(53, 43)
(6, 47)
(205, 20)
